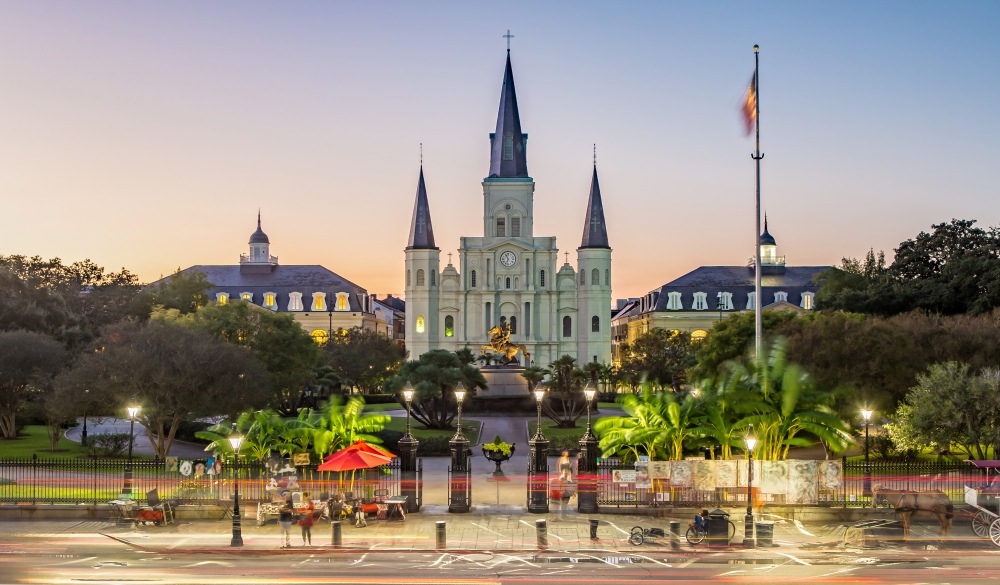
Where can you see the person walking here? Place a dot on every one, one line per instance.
(565, 466)
(285, 514)
(306, 519)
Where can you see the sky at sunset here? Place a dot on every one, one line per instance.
(146, 135)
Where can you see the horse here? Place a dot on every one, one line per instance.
(500, 344)
(909, 502)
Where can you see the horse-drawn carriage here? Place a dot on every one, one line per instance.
(984, 498)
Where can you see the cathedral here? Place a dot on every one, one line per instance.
(508, 276)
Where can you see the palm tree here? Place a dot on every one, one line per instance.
(565, 402)
(533, 375)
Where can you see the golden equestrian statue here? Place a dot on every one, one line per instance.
(500, 344)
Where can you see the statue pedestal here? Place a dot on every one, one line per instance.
(504, 381)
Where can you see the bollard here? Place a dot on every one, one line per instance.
(542, 533)
(338, 538)
(593, 530)
(442, 535)
(675, 534)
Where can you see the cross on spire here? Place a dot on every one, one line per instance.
(508, 36)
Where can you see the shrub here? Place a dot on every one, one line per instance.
(108, 444)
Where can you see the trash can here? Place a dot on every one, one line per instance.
(717, 526)
(765, 533)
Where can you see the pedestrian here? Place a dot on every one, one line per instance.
(285, 514)
(557, 496)
(306, 519)
(565, 466)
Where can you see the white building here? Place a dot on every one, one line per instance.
(509, 275)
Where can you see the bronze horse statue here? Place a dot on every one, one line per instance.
(500, 344)
(909, 502)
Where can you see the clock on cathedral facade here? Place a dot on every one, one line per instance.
(508, 276)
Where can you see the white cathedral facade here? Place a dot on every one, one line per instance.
(509, 275)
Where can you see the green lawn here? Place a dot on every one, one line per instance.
(470, 428)
(34, 439)
(369, 408)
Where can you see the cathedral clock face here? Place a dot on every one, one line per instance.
(508, 259)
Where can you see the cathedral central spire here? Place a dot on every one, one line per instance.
(508, 157)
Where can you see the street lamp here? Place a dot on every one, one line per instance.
(589, 393)
(459, 397)
(748, 540)
(133, 411)
(539, 396)
(83, 436)
(867, 415)
(236, 441)
(408, 397)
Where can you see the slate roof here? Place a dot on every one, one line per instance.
(281, 280)
(508, 123)
(421, 230)
(595, 230)
(738, 280)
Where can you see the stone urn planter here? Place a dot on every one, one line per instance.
(498, 452)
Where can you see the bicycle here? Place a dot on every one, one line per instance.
(696, 534)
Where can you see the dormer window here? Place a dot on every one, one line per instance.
(319, 301)
(751, 305)
(700, 301)
(508, 147)
(247, 296)
(222, 299)
(295, 301)
(343, 303)
(807, 301)
(673, 301)
(781, 296)
(725, 301)
(271, 301)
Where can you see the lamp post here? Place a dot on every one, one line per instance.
(748, 533)
(459, 495)
(539, 397)
(236, 441)
(587, 495)
(408, 397)
(408, 458)
(538, 465)
(866, 413)
(83, 436)
(133, 411)
(459, 398)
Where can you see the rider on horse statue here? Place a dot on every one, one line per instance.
(500, 344)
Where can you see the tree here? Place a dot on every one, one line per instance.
(28, 361)
(659, 356)
(184, 292)
(732, 339)
(174, 373)
(287, 352)
(363, 358)
(657, 424)
(951, 405)
(565, 402)
(340, 423)
(533, 375)
(434, 377)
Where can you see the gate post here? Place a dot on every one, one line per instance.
(587, 495)
(538, 473)
(408, 471)
(458, 482)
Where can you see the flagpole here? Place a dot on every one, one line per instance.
(758, 325)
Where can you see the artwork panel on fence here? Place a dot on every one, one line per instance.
(642, 479)
(681, 474)
(803, 482)
(622, 476)
(725, 474)
(773, 477)
(741, 472)
(171, 464)
(659, 469)
(830, 475)
(704, 474)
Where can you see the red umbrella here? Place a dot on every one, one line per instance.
(350, 459)
(362, 446)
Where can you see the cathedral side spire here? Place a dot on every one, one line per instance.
(508, 158)
(421, 230)
(595, 230)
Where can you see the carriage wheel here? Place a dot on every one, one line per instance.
(981, 523)
(995, 532)
(635, 538)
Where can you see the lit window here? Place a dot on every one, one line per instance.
(320, 336)
(508, 147)
(515, 227)
(674, 301)
(342, 302)
(700, 301)
(501, 227)
(295, 301)
(247, 296)
(595, 277)
(807, 301)
(541, 278)
(595, 324)
(751, 305)
(699, 335)
(420, 277)
(449, 326)
(420, 324)
(270, 300)
(725, 301)
(781, 297)
(222, 298)
(473, 279)
(567, 326)
(319, 301)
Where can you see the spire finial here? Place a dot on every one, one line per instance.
(258, 218)
(421, 154)
(765, 221)
(595, 154)
(508, 36)
(567, 257)
(449, 258)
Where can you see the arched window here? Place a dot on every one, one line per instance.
(407, 278)
(607, 277)
(567, 326)
(583, 278)
(420, 277)
(595, 324)
(698, 335)
(320, 336)
(513, 325)
(508, 147)
(420, 324)
(515, 227)
(507, 282)
(473, 279)
(449, 326)
(595, 277)
(501, 227)
(342, 302)
(541, 278)
(503, 322)
(433, 277)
